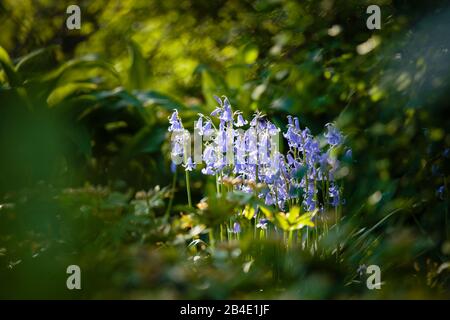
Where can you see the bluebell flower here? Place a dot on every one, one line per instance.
(296, 123)
(220, 164)
(334, 194)
(210, 158)
(189, 165)
(217, 112)
(312, 151)
(334, 137)
(309, 198)
(262, 224)
(290, 123)
(258, 121)
(282, 191)
(240, 121)
(178, 141)
(269, 199)
(239, 168)
(173, 167)
(227, 114)
(290, 159)
(175, 122)
(208, 170)
(240, 151)
(219, 101)
(293, 138)
(324, 160)
(272, 129)
(440, 192)
(236, 227)
(199, 126)
(207, 128)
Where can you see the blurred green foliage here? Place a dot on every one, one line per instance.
(83, 119)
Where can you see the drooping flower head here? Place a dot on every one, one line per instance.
(440, 192)
(333, 135)
(240, 121)
(262, 223)
(175, 122)
(334, 194)
(227, 114)
(189, 165)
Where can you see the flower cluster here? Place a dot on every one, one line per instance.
(250, 160)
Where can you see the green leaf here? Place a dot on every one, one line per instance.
(250, 53)
(149, 98)
(249, 212)
(212, 84)
(281, 220)
(293, 214)
(293, 220)
(267, 212)
(122, 97)
(138, 71)
(37, 63)
(89, 61)
(236, 75)
(8, 67)
(62, 92)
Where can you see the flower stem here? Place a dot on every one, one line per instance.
(338, 248)
(188, 188)
(290, 239)
(211, 238)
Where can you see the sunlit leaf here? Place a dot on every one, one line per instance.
(8, 67)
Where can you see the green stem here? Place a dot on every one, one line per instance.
(217, 185)
(307, 237)
(290, 238)
(338, 248)
(188, 188)
(211, 238)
